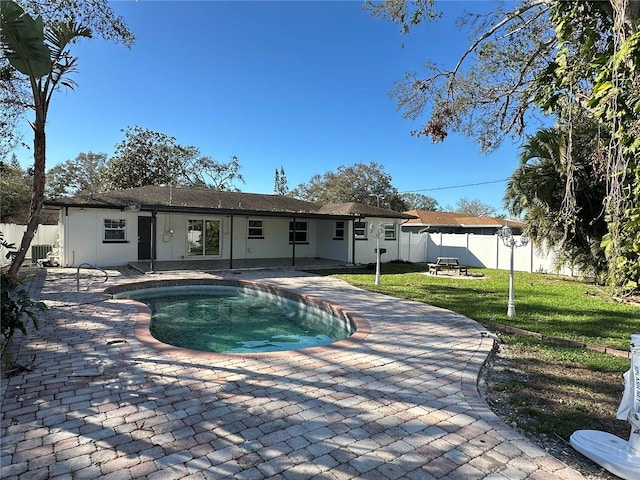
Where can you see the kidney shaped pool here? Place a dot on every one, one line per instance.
(236, 317)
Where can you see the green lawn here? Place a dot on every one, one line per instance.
(547, 304)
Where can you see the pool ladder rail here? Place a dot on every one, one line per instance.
(89, 265)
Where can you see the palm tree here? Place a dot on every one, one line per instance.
(43, 57)
(551, 163)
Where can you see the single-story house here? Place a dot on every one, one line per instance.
(450, 222)
(168, 224)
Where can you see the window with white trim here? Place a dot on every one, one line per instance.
(360, 230)
(299, 230)
(115, 230)
(389, 231)
(339, 232)
(255, 229)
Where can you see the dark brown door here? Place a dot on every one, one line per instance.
(144, 238)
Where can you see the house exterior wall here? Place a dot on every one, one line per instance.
(365, 248)
(82, 242)
(328, 246)
(82, 239)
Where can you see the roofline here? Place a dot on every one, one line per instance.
(206, 210)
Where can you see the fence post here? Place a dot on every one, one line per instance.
(466, 260)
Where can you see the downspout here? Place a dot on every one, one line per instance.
(231, 242)
(153, 239)
(398, 238)
(353, 241)
(293, 244)
(400, 232)
(63, 226)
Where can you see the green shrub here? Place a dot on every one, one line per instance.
(16, 307)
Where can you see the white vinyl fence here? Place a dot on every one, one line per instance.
(483, 251)
(46, 235)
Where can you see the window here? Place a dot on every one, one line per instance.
(339, 233)
(360, 230)
(389, 231)
(115, 230)
(203, 237)
(255, 229)
(300, 232)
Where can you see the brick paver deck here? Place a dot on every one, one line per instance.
(400, 403)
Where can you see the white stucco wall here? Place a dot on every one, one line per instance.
(365, 249)
(330, 247)
(82, 240)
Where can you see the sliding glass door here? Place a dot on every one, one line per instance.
(203, 237)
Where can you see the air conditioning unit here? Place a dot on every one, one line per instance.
(39, 252)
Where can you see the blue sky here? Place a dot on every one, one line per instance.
(302, 85)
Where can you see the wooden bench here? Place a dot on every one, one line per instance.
(447, 263)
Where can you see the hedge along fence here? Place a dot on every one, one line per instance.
(480, 251)
(12, 233)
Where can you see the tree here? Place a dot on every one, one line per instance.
(15, 192)
(15, 91)
(474, 208)
(562, 54)
(281, 187)
(367, 184)
(207, 172)
(146, 157)
(79, 176)
(417, 201)
(44, 58)
(537, 189)
(486, 93)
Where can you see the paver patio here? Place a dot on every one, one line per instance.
(400, 403)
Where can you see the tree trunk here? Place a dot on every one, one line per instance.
(37, 197)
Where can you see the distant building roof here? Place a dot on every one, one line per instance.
(430, 218)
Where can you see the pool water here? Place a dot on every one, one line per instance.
(229, 319)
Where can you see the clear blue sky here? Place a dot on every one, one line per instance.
(302, 85)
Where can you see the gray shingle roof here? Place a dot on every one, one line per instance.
(189, 199)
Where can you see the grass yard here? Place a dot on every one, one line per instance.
(547, 304)
(547, 390)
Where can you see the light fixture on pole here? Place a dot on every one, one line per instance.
(377, 234)
(506, 235)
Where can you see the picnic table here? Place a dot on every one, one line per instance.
(447, 263)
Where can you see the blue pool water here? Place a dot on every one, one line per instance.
(231, 319)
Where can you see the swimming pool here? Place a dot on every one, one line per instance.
(237, 317)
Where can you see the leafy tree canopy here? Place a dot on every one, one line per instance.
(15, 93)
(474, 208)
(83, 175)
(563, 55)
(417, 201)
(361, 183)
(146, 157)
(207, 172)
(24, 43)
(15, 192)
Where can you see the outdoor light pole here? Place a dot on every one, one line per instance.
(377, 234)
(506, 235)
